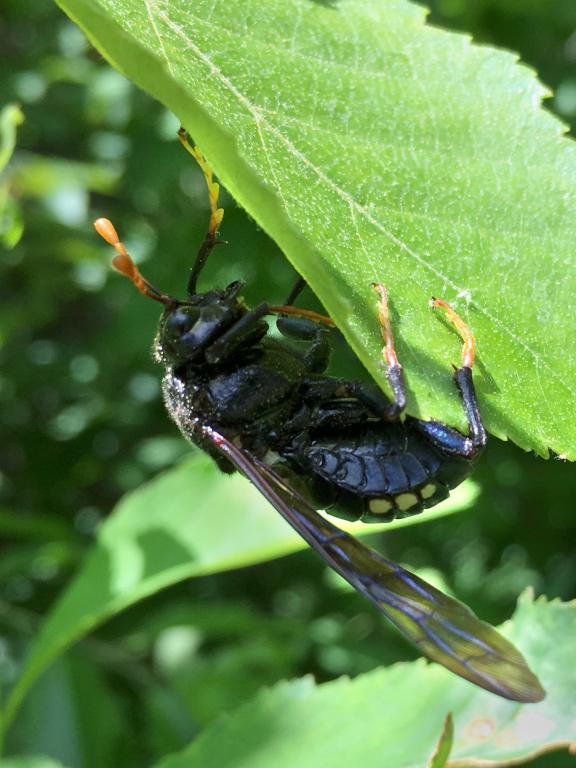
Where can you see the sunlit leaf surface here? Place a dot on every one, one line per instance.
(373, 147)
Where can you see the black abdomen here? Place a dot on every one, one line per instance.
(381, 473)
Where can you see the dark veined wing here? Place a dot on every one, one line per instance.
(444, 629)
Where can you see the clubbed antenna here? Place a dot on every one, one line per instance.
(124, 264)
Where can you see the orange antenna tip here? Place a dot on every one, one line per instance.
(105, 229)
(124, 264)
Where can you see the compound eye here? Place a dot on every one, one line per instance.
(181, 321)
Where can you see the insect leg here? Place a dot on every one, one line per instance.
(322, 389)
(249, 325)
(317, 356)
(394, 372)
(448, 439)
(216, 213)
(285, 309)
(297, 289)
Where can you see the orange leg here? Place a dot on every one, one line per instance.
(469, 347)
(394, 371)
(389, 353)
(450, 440)
(287, 309)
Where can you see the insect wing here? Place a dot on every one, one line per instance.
(444, 629)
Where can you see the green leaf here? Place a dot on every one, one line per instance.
(545, 632)
(373, 147)
(391, 717)
(41, 177)
(190, 521)
(73, 716)
(10, 118)
(11, 224)
(444, 746)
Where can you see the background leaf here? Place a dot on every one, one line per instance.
(170, 530)
(444, 745)
(74, 715)
(372, 147)
(10, 118)
(11, 225)
(393, 716)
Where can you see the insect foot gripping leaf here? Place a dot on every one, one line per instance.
(251, 402)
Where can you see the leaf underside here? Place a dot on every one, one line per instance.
(373, 147)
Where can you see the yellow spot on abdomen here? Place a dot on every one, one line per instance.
(379, 506)
(428, 490)
(405, 501)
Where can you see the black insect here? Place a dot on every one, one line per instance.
(308, 441)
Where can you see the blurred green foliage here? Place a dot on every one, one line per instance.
(83, 422)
